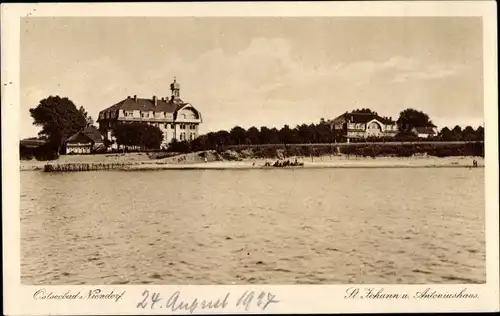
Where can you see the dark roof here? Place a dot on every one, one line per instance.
(424, 130)
(79, 138)
(361, 118)
(93, 133)
(30, 142)
(89, 133)
(130, 104)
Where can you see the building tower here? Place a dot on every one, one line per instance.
(175, 88)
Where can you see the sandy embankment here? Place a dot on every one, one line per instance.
(141, 161)
(326, 162)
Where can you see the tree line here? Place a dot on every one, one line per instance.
(60, 118)
(308, 134)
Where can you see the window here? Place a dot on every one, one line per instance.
(183, 126)
(172, 126)
(166, 125)
(373, 125)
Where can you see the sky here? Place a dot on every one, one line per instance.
(259, 71)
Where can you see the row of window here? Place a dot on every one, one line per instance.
(189, 126)
(169, 125)
(143, 114)
(108, 115)
(370, 126)
(191, 136)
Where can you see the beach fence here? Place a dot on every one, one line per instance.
(75, 167)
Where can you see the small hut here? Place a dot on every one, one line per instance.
(86, 141)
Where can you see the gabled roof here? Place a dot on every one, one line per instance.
(361, 118)
(162, 105)
(79, 137)
(89, 133)
(425, 130)
(93, 134)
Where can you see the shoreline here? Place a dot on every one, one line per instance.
(324, 162)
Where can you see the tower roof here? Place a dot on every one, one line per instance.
(175, 85)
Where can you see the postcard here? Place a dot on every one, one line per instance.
(250, 157)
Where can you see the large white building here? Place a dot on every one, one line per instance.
(357, 125)
(175, 118)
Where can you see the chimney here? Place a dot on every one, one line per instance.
(135, 97)
(155, 100)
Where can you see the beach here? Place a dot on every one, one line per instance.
(141, 161)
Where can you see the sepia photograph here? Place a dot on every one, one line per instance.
(194, 150)
(252, 150)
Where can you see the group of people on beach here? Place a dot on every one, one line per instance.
(286, 163)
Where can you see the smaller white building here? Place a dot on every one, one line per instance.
(424, 131)
(86, 141)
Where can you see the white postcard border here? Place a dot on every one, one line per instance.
(18, 299)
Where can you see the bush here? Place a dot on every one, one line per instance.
(138, 134)
(179, 147)
(46, 152)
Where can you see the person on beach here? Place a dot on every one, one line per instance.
(206, 160)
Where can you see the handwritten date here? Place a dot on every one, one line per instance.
(246, 300)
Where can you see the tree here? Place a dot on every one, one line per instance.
(410, 118)
(479, 133)
(286, 135)
(468, 134)
(238, 135)
(222, 138)
(324, 133)
(253, 135)
(59, 119)
(268, 136)
(138, 134)
(365, 111)
(151, 137)
(456, 133)
(445, 134)
(88, 119)
(179, 147)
